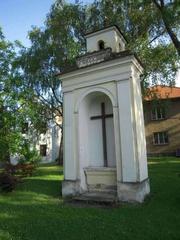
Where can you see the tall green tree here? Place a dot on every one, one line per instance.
(151, 28)
(52, 49)
(9, 94)
(8, 103)
(18, 104)
(169, 12)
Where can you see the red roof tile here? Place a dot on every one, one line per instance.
(162, 92)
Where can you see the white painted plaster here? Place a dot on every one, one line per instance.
(111, 37)
(116, 83)
(139, 128)
(126, 131)
(70, 172)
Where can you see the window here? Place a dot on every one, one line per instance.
(43, 150)
(158, 113)
(101, 45)
(160, 138)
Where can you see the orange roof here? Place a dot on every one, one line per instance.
(162, 92)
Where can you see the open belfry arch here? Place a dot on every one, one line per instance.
(104, 139)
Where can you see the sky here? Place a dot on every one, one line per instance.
(18, 16)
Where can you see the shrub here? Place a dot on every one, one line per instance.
(25, 169)
(29, 155)
(20, 169)
(8, 182)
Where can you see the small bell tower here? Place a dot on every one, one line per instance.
(110, 37)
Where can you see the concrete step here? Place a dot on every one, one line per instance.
(98, 197)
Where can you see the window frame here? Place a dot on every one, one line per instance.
(43, 152)
(159, 137)
(157, 111)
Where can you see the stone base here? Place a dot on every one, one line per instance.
(70, 188)
(126, 192)
(133, 192)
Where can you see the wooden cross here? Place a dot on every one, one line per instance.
(103, 116)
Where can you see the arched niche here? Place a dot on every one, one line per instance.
(92, 90)
(94, 126)
(91, 130)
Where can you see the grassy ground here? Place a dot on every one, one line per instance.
(36, 210)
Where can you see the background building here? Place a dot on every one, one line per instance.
(47, 143)
(162, 121)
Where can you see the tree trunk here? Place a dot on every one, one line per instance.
(173, 36)
(168, 28)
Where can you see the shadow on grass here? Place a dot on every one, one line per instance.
(52, 220)
(36, 211)
(51, 188)
(50, 170)
(46, 180)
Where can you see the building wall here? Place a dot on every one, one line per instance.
(171, 124)
(52, 140)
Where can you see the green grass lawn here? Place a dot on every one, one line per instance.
(36, 210)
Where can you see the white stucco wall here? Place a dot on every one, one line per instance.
(83, 142)
(139, 127)
(114, 79)
(126, 131)
(116, 83)
(70, 168)
(51, 138)
(111, 37)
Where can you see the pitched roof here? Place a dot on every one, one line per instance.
(162, 92)
(112, 56)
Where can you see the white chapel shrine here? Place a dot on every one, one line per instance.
(104, 138)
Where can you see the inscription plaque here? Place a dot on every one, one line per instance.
(92, 58)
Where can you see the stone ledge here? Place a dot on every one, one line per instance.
(98, 188)
(100, 169)
(101, 176)
(96, 197)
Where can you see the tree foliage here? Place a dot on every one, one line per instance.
(16, 107)
(151, 28)
(8, 98)
(145, 25)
